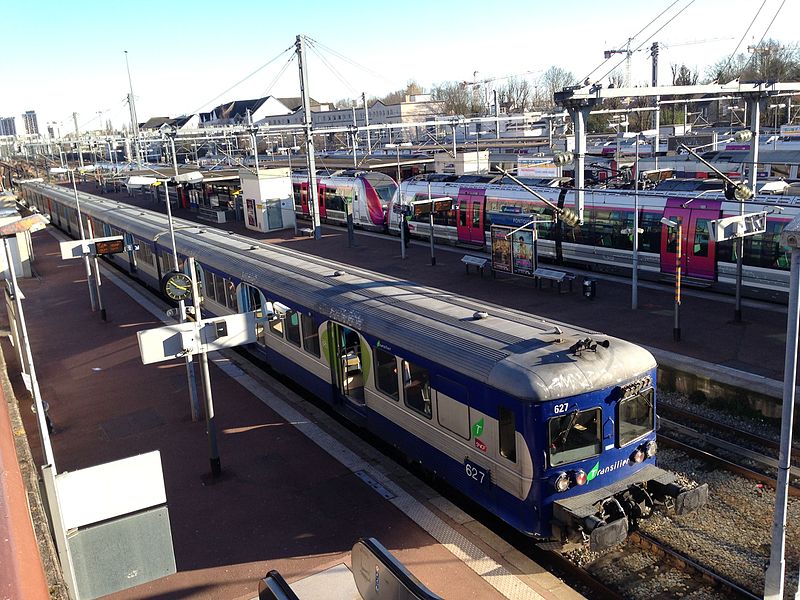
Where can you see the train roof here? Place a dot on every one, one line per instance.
(526, 356)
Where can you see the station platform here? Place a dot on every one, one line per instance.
(297, 489)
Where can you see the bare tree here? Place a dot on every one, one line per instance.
(554, 80)
(770, 61)
(455, 97)
(412, 88)
(517, 95)
(683, 75)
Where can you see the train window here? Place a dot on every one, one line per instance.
(219, 289)
(310, 334)
(462, 214)
(476, 214)
(575, 436)
(507, 434)
(452, 406)
(386, 373)
(292, 323)
(417, 388)
(635, 417)
(276, 326)
(230, 297)
(765, 249)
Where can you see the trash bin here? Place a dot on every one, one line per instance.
(589, 288)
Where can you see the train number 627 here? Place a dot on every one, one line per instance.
(475, 473)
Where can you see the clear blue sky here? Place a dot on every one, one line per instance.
(65, 57)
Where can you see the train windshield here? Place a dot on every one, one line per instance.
(575, 436)
(635, 417)
(385, 191)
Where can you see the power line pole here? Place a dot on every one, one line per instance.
(134, 120)
(310, 161)
(366, 122)
(657, 113)
(78, 139)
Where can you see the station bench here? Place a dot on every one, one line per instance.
(475, 261)
(554, 276)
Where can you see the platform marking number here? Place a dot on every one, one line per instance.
(561, 408)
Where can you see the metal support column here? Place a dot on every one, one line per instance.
(313, 206)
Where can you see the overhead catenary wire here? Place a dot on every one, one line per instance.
(746, 31)
(266, 64)
(763, 36)
(278, 76)
(652, 35)
(632, 38)
(331, 68)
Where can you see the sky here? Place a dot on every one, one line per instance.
(64, 57)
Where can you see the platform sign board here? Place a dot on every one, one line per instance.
(182, 339)
(730, 228)
(537, 166)
(79, 248)
(422, 208)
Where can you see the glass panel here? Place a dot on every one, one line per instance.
(386, 373)
(701, 238)
(292, 324)
(575, 436)
(276, 326)
(635, 417)
(219, 289)
(508, 434)
(310, 335)
(417, 388)
(232, 302)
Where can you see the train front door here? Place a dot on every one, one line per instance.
(698, 251)
(471, 216)
(321, 200)
(304, 198)
(348, 363)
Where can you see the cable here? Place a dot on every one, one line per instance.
(632, 38)
(348, 60)
(746, 31)
(278, 76)
(763, 36)
(331, 69)
(242, 80)
(651, 37)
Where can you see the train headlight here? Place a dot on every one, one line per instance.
(637, 456)
(561, 482)
(580, 477)
(651, 448)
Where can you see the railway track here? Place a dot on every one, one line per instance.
(738, 459)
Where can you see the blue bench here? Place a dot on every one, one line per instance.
(554, 276)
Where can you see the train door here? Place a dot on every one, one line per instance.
(251, 299)
(698, 252)
(321, 200)
(348, 363)
(471, 216)
(304, 198)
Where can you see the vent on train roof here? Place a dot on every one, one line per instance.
(338, 273)
(480, 314)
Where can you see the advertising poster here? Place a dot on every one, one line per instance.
(523, 252)
(501, 249)
(251, 212)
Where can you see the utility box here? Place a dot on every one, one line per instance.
(267, 199)
(464, 163)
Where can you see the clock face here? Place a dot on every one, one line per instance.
(177, 286)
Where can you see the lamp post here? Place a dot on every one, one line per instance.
(89, 275)
(399, 203)
(773, 577)
(678, 223)
(635, 232)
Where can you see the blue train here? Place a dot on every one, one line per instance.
(546, 425)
